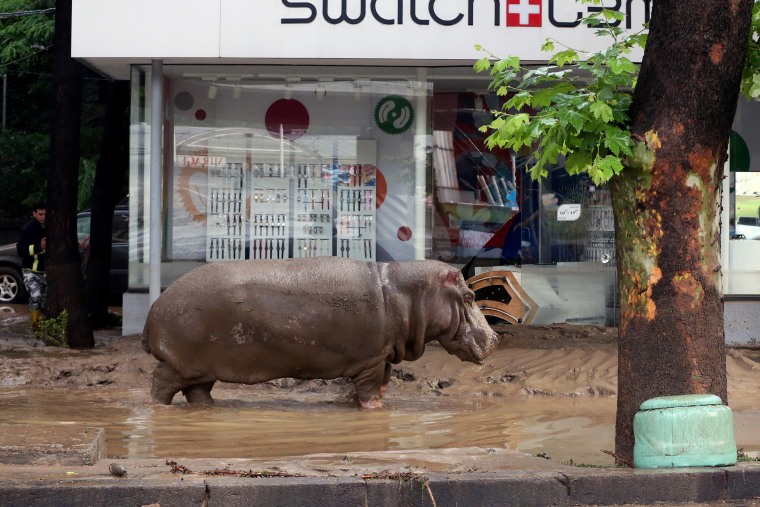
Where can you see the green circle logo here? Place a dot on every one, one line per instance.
(394, 114)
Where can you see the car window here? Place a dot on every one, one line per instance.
(83, 227)
(120, 228)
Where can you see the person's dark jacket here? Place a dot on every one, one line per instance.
(29, 246)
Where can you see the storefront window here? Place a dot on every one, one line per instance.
(260, 163)
(274, 165)
(487, 206)
(741, 269)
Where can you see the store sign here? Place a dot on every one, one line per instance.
(568, 212)
(367, 31)
(508, 13)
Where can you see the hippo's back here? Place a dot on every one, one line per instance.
(266, 305)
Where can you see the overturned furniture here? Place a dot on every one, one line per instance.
(499, 295)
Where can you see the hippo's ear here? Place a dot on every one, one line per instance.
(450, 277)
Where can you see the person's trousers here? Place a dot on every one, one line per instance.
(36, 285)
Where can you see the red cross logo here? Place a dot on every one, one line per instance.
(523, 12)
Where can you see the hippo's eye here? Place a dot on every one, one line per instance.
(469, 297)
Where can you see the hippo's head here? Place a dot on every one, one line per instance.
(469, 337)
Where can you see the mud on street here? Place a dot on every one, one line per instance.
(547, 391)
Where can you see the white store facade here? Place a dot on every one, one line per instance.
(349, 128)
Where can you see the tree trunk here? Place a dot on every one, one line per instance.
(667, 213)
(109, 175)
(65, 285)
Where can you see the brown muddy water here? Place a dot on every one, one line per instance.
(547, 391)
(573, 429)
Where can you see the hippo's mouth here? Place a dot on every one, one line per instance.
(472, 344)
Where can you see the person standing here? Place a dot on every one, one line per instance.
(31, 248)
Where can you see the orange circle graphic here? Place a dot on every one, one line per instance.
(381, 186)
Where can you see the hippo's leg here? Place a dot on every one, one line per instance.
(386, 378)
(368, 385)
(199, 393)
(166, 383)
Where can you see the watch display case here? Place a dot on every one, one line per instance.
(308, 210)
(226, 196)
(356, 212)
(270, 217)
(313, 211)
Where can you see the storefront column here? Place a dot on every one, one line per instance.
(156, 126)
(725, 221)
(420, 161)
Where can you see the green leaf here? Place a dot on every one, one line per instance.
(519, 100)
(609, 166)
(548, 46)
(482, 64)
(510, 62)
(601, 111)
(578, 162)
(621, 65)
(545, 96)
(639, 39)
(612, 15)
(515, 122)
(618, 141)
(564, 57)
(570, 116)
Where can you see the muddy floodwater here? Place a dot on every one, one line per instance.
(546, 391)
(242, 427)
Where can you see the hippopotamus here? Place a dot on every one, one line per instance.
(313, 318)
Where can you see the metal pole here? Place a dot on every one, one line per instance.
(420, 164)
(156, 127)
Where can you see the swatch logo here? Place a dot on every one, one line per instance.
(523, 12)
(511, 13)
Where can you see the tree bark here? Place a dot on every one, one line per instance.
(65, 284)
(109, 175)
(667, 213)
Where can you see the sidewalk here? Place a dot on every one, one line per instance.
(150, 483)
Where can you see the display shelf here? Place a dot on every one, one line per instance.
(269, 221)
(313, 211)
(225, 238)
(356, 208)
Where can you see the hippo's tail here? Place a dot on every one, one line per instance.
(145, 342)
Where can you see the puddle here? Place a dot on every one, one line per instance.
(244, 428)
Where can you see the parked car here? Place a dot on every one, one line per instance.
(749, 227)
(12, 288)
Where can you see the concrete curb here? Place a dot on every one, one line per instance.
(25, 444)
(513, 488)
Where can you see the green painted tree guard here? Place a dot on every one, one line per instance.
(692, 430)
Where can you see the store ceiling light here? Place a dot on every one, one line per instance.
(289, 86)
(236, 89)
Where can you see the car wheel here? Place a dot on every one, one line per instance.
(12, 288)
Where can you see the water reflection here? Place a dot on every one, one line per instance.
(246, 426)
